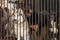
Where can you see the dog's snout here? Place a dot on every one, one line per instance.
(14, 20)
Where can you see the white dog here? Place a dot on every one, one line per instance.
(53, 28)
(20, 25)
(20, 28)
(53, 24)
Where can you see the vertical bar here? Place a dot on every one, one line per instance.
(23, 27)
(59, 20)
(4, 29)
(23, 22)
(20, 26)
(16, 8)
(44, 18)
(36, 2)
(8, 22)
(41, 17)
(32, 14)
(48, 19)
(5, 5)
(26, 22)
(26, 13)
(1, 21)
(14, 22)
(28, 4)
(38, 15)
(56, 20)
(53, 22)
(10, 16)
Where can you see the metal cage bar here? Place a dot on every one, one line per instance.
(29, 19)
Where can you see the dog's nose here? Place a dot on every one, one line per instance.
(14, 20)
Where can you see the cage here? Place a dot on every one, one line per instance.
(29, 19)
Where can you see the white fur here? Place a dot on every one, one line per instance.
(18, 27)
(54, 39)
(53, 29)
(19, 31)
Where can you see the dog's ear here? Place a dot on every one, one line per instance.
(35, 27)
(29, 13)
